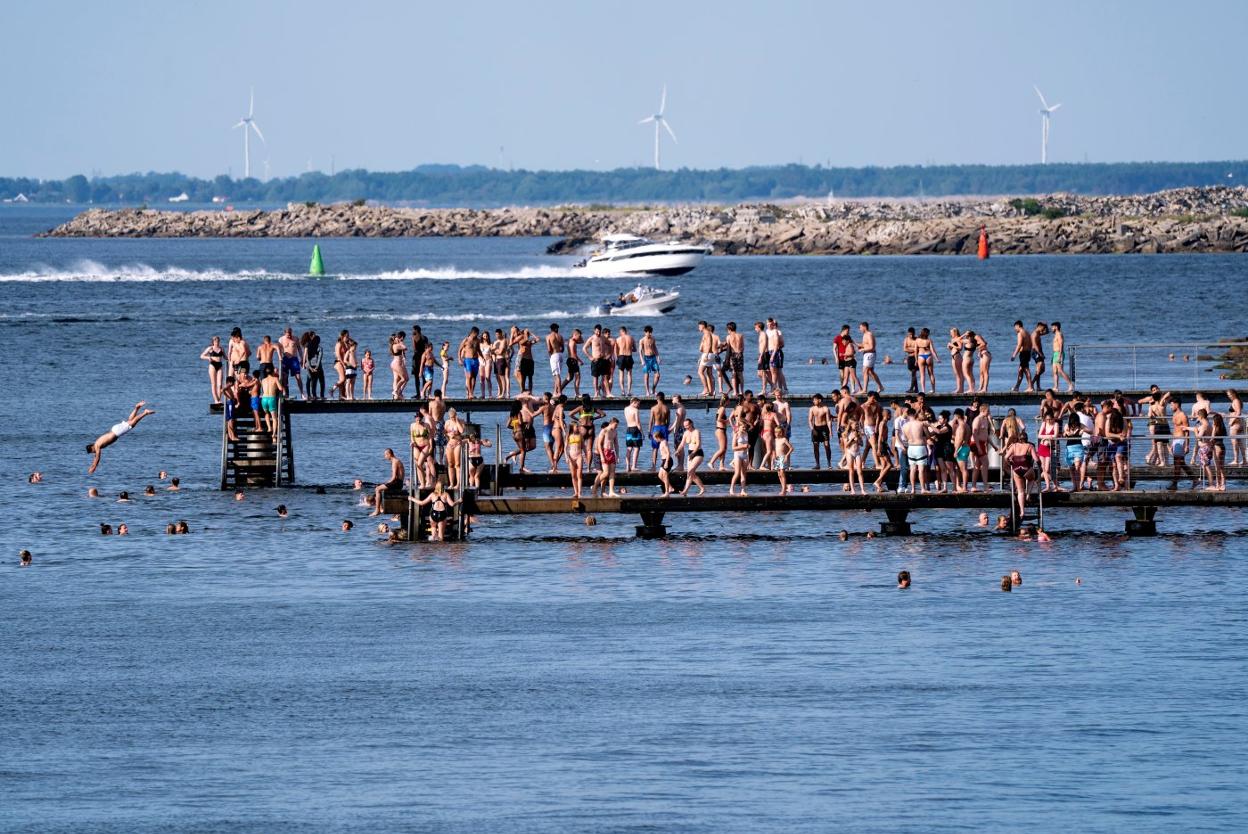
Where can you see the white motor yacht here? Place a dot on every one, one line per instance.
(633, 255)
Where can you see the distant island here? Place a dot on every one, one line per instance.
(476, 186)
(1212, 219)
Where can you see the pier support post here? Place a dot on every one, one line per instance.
(1144, 523)
(897, 525)
(651, 526)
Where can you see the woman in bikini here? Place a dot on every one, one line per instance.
(955, 359)
(740, 457)
(398, 367)
(422, 449)
(693, 459)
(912, 361)
(440, 503)
(214, 355)
(558, 432)
(453, 429)
(721, 435)
(1219, 451)
(968, 360)
(476, 461)
(768, 435)
(1235, 428)
(340, 365)
(502, 349)
(925, 353)
(1021, 456)
(985, 362)
(576, 455)
(666, 460)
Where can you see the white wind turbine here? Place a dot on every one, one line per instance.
(1046, 113)
(659, 121)
(248, 124)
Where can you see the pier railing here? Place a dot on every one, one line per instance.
(1198, 365)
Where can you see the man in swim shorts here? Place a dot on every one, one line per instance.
(819, 419)
(866, 348)
(1022, 352)
(764, 358)
(650, 362)
(470, 355)
(916, 435)
(115, 433)
(625, 347)
(291, 363)
(395, 484)
(846, 362)
(633, 434)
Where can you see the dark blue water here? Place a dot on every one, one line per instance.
(750, 673)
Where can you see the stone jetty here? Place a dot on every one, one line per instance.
(1213, 219)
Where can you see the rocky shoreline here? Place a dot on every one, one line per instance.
(1181, 220)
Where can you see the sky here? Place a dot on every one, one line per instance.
(123, 86)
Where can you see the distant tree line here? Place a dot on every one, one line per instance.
(444, 185)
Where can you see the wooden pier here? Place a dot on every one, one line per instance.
(896, 507)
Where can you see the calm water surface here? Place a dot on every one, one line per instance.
(750, 673)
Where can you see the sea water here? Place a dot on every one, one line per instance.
(750, 672)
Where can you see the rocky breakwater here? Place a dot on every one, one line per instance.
(1211, 219)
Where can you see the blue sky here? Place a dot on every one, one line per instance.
(122, 86)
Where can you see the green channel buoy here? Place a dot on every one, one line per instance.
(317, 267)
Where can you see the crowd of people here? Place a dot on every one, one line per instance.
(609, 364)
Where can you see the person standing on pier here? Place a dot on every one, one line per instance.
(1179, 447)
(764, 359)
(1059, 358)
(1037, 353)
(469, 355)
(633, 434)
(574, 361)
(1235, 428)
(419, 342)
(625, 347)
(292, 361)
(271, 390)
(734, 360)
(981, 432)
(775, 355)
(845, 347)
(866, 348)
(908, 347)
(819, 419)
(558, 367)
(214, 356)
(313, 360)
(650, 362)
(609, 453)
(657, 428)
(1022, 352)
(597, 351)
(239, 353)
(916, 436)
(524, 344)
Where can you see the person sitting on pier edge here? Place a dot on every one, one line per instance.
(394, 484)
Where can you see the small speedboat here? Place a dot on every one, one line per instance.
(641, 301)
(632, 255)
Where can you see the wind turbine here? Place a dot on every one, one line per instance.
(248, 124)
(1046, 113)
(659, 121)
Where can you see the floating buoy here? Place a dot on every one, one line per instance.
(317, 267)
(983, 243)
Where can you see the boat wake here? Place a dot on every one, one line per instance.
(93, 272)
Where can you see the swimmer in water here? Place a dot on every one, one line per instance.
(26, 558)
(93, 493)
(1006, 584)
(903, 579)
(983, 520)
(149, 490)
(281, 511)
(347, 525)
(111, 436)
(175, 485)
(106, 529)
(35, 478)
(123, 529)
(1042, 536)
(1016, 578)
(238, 496)
(843, 535)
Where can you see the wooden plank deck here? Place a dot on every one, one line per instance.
(762, 502)
(996, 399)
